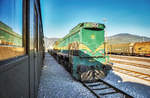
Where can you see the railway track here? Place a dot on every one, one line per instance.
(132, 73)
(131, 64)
(102, 89)
(146, 59)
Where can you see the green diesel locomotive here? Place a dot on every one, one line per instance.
(82, 51)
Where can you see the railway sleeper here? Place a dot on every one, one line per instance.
(102, 94)
(101, 88)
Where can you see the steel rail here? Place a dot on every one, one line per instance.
(135, 74)
(100, 82)
(131, 64)
(144, 59)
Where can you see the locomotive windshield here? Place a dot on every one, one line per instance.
(94, 29)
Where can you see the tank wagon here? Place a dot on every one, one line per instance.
(82, 51)
(137, 48)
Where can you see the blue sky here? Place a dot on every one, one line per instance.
(11, 14)
(123, 16)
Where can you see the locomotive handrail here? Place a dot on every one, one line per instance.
(92, 56)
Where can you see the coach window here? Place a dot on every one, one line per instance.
(11, 26)
(35, 29)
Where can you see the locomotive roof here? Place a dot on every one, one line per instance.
(87, 25)
(83, 25)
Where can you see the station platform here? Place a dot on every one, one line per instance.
(56, 82)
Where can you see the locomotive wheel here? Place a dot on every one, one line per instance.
(70, 58)
(70, 64)
(70, 68)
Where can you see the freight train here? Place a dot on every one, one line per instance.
(82, 51)
(137, 48)
(21, 53)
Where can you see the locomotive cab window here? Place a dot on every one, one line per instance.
(11, 29)
(94, 29)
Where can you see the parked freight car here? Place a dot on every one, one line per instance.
(83, 50)
(137, 48)
(124, 49)
(141, 48)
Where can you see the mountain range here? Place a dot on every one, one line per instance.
(126, 38)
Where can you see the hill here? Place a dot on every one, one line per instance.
(126, 38)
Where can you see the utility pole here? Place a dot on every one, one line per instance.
(143, 38)
(105, 41)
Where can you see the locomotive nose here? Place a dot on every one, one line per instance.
(92, 75)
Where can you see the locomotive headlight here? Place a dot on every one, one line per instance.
(100, 51)
(85, 52)
(106, 59)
